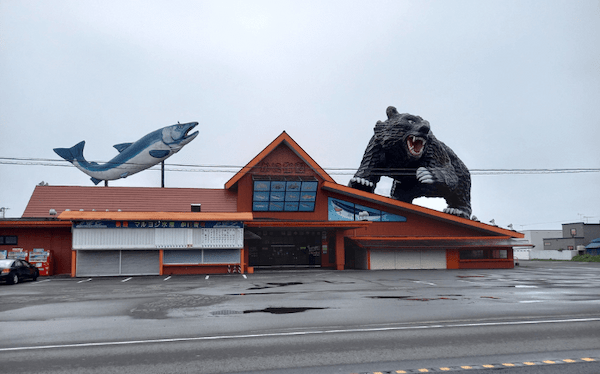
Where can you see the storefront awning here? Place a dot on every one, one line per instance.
(439, 242)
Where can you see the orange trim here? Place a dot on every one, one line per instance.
(285, 139)
(316, 224)
(160, 261)
(413, 238)
(378, 199)
(73, 263)
(155, 216)
(27, 223)
(368, 259)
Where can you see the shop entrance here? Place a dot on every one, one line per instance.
(285, 248)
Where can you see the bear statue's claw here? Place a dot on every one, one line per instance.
(362, 181)
(425, 176)
(457, 212)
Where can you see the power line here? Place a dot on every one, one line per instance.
(199, 168)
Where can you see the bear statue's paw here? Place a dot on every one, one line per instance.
(362, 181)
(425, 176)
(457, 212)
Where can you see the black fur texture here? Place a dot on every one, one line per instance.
(404, 149)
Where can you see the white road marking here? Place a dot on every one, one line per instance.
(85, 280)
(431, 284)
(38, 282)
(525, 286)
(300, 333)
(167, 278)
(206, 277)
(244, 275)
(126, 279)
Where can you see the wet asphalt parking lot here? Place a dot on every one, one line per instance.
(63, 311)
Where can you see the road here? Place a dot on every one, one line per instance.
(308, 321)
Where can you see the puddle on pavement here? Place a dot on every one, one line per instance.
(411, 298)
(282, 310)
(273, 285)
(271, 310)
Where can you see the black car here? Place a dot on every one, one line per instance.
(13, 271)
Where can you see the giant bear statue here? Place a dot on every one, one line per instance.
(404, 149)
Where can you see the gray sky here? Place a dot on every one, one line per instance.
(505, 84)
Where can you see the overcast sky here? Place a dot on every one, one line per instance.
(505, 84)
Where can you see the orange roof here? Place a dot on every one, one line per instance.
(284, 138)
(378, 199)
(154, 216)
(127, 199)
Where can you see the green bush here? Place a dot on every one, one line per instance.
(586, 258)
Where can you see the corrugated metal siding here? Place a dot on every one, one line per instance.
(113, 239)
(408, 259)
(108, 239)
(128, 199)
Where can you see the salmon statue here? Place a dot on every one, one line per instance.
(133, 157)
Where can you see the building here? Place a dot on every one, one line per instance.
(536, 240)
(281, 210)
(573, 235)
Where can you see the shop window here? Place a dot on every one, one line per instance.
(476, 254)
(8, 240)
(484, 254)
(284, 195)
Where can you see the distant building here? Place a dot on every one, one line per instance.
(536, 239)
(573, 235)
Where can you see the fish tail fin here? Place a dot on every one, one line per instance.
(96, 180)
(73, 153)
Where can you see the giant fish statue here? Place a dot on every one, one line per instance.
(133, 157)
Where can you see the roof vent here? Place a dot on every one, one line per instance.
(196, 207)
(52, 212)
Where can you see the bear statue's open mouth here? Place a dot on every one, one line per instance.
(415, 144)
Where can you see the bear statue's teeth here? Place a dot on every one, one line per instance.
(415, 145)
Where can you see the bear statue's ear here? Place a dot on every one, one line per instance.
(391, 112)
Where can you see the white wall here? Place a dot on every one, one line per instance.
(552, 254)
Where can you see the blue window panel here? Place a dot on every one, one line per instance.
(308, 196)
(221, 256)
(292, 196)
(276, 207)
(277, 196)
(293, 186)
(260, 206)
(260, 196)
(389, 217)
(277, 186)
(186, 256)
(262, 185)
(310, 185)
(291, 206)
(306, 207)
(372, 214)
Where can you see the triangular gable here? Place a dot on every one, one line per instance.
(434, 214)
(285, 140)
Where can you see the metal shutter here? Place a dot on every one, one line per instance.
(98, 263)
(408, 259)
(140, 263)
(433, 259)
(382, 259)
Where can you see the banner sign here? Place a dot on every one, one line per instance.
(155, 224)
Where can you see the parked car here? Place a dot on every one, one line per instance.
(12, 271)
